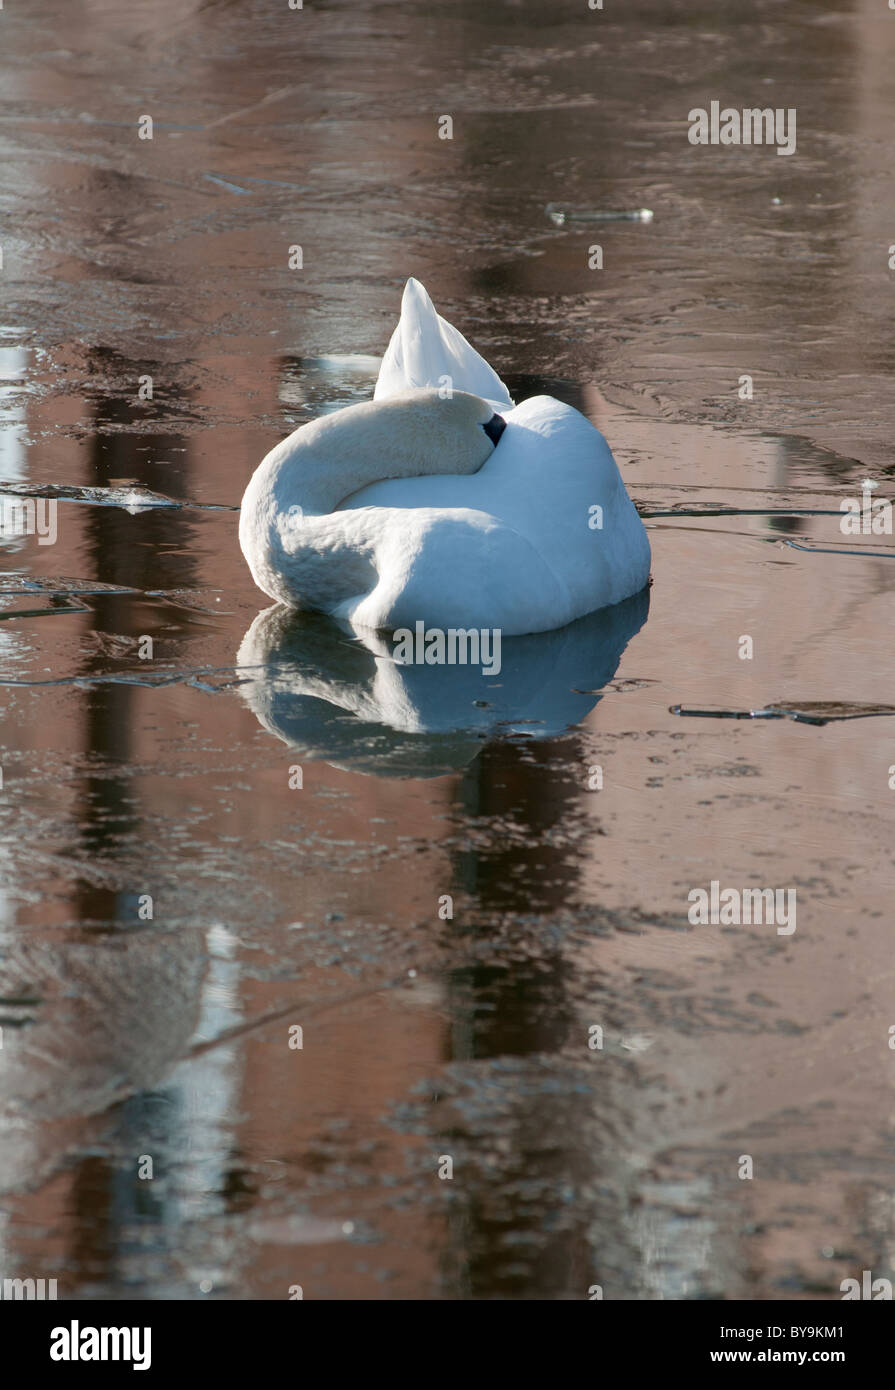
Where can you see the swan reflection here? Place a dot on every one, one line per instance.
(332, 694)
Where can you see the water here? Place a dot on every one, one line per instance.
(169, 785)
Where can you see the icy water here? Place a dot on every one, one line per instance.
(173, 904)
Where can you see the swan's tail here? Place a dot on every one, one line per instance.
(425, 349)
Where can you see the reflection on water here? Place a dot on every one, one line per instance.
(13, 364)
(85, 1022)
(330, 694)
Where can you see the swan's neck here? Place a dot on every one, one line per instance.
(333, 457)
(289, 523)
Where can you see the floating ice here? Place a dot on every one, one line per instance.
(561, 214)
(802, 711)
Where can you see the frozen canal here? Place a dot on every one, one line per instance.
(173, 904)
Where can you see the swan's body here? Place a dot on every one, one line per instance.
(402, 509)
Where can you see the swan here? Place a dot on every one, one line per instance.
(440, 500)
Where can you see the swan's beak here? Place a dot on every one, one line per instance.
(494, 428)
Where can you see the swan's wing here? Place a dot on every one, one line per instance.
(425, 348)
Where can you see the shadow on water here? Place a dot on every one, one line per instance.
(346, 701)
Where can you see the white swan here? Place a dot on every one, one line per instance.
(440, 501)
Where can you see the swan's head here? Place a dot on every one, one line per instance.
(433, 432)
(411, 433)
(469, 415)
